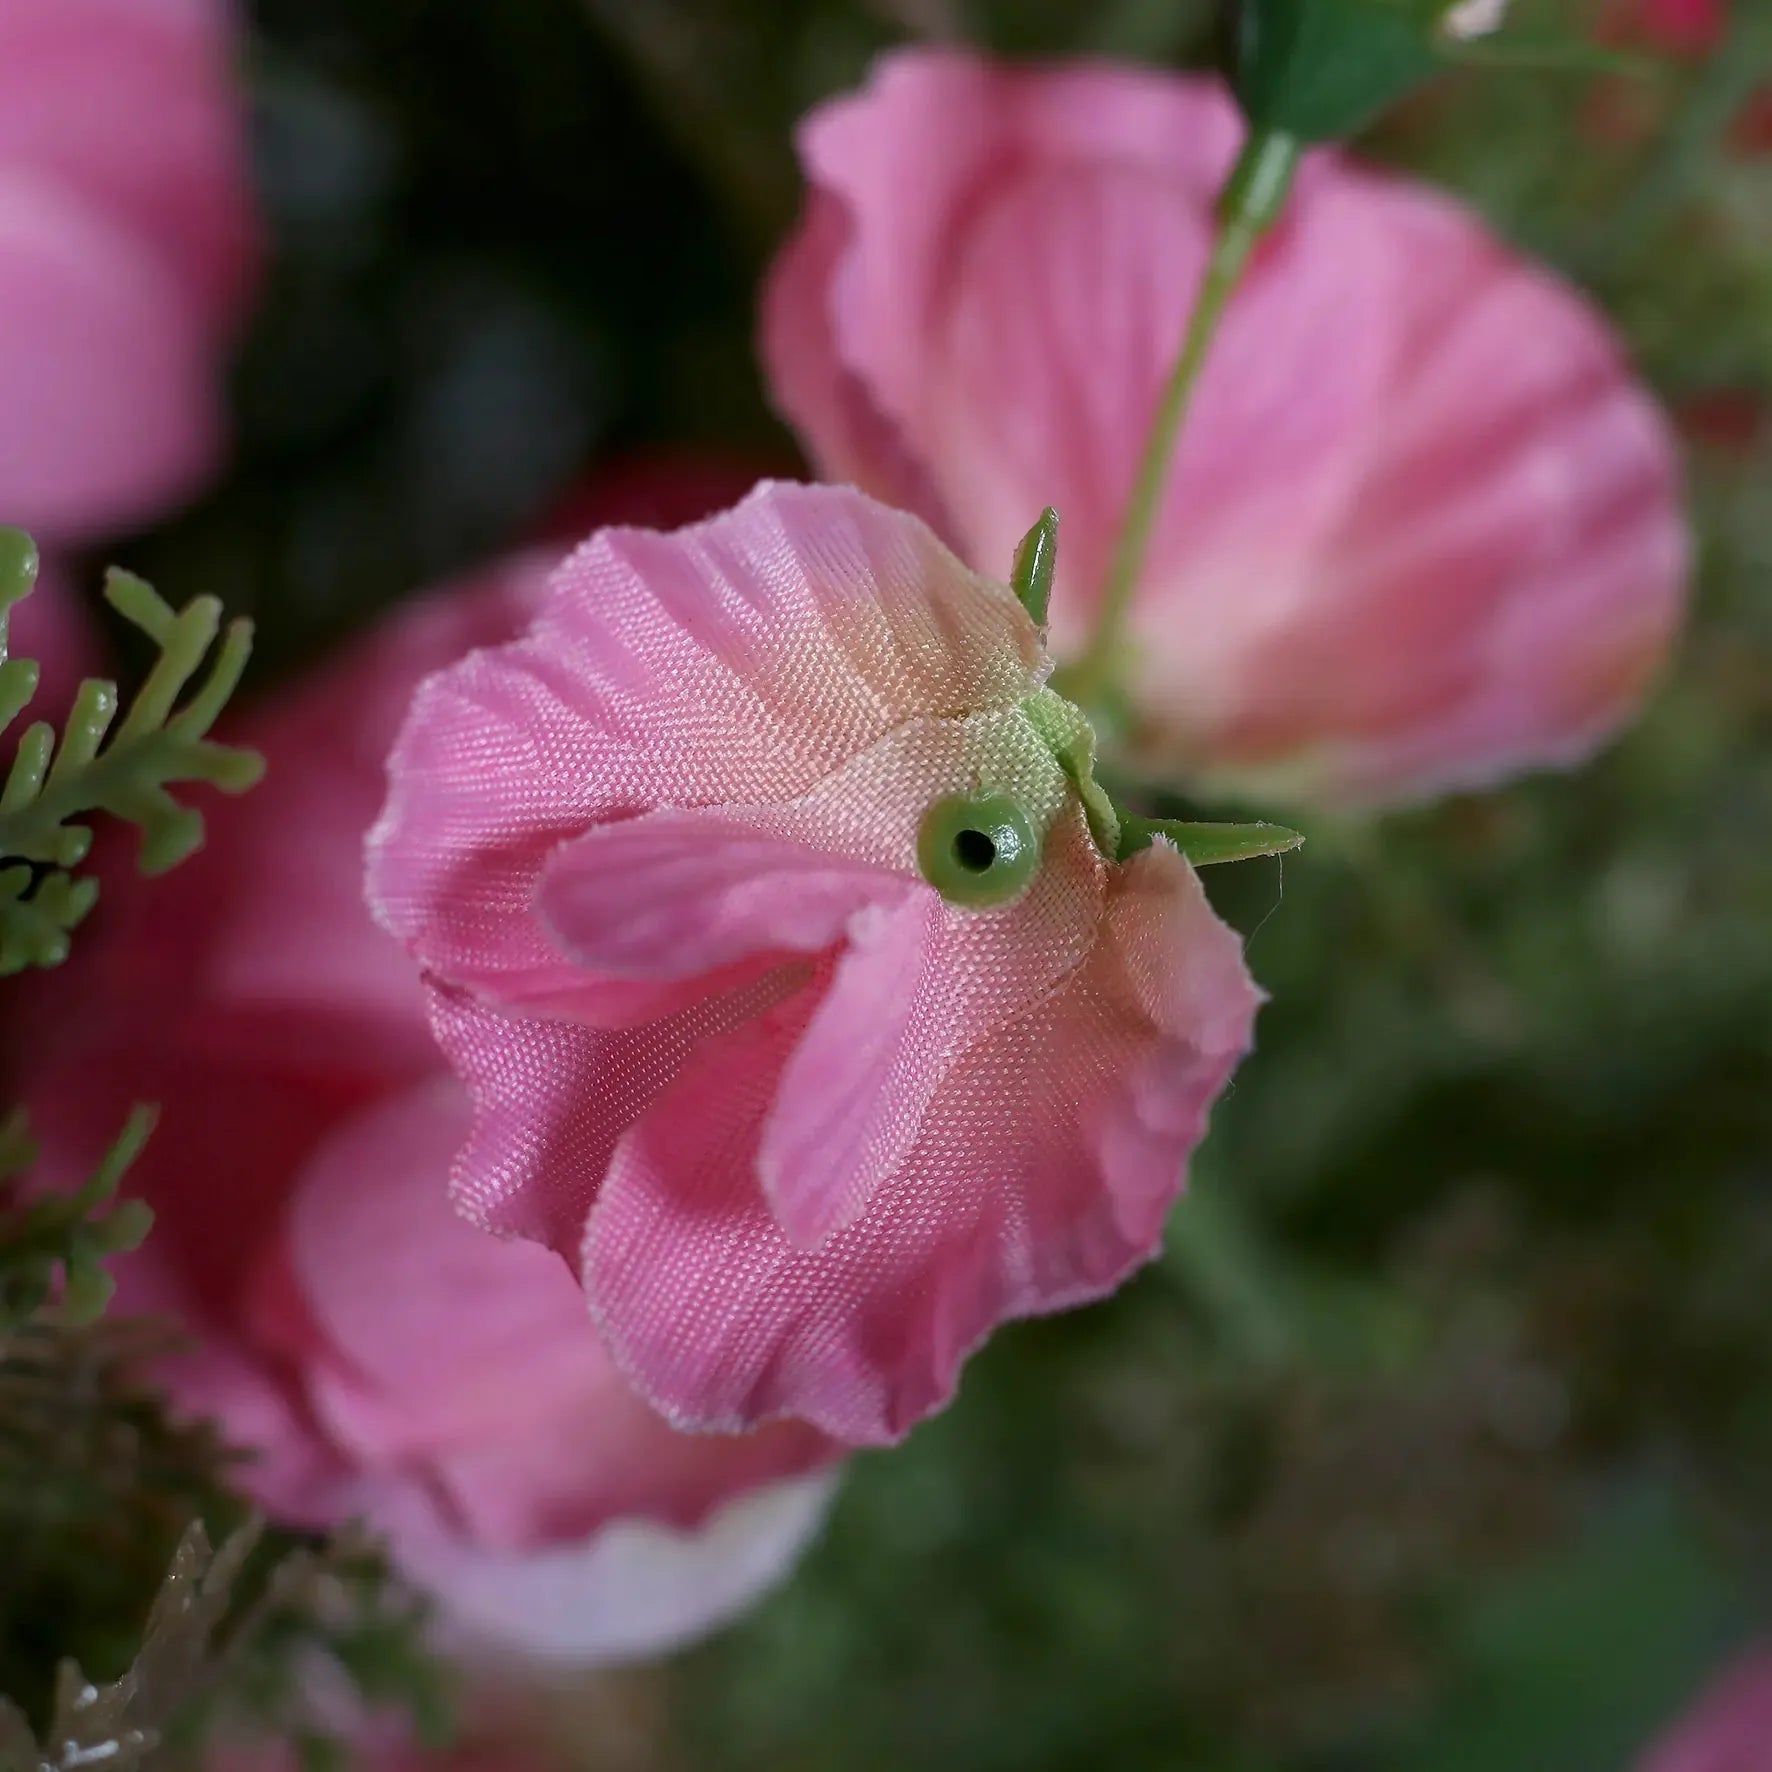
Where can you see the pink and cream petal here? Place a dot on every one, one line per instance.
(439, 1348)
(852, 1093)
(674, 895)
(1018, 1196)
(739, 660)
(633, 1590)
(553, 1098)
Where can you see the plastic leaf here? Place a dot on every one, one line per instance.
(65, 1236)
(1321, 69)
(1036, 559)
(127, 773)
(1206, 844)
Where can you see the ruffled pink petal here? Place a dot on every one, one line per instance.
(633, 1590)
(1046, 372)
(673, 895)
(847, 434)
(740, 660)
(918, 986)
(933, 136)
(1497, 585)
(470, 1363)
(858, 828)
(553, 1096)
(105, 379)
(1028, 1188)
(850, 1096)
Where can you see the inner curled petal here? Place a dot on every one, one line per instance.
(677, 894)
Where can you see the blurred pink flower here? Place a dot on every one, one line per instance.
(809, 1129)
(126, 251)
(1730, 1727)
(378, 1354)
(52, 627)
(382, 1750)
(1422, 529)
(1676, 27)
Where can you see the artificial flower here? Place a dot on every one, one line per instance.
(804, 997)
(375, 1354)
(1423, 528)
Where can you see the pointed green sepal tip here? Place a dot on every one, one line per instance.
(1206, 844)
(18, 566)
(1036, 559)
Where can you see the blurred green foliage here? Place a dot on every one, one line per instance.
(1463, 1463)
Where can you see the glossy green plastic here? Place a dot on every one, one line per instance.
(978, 850)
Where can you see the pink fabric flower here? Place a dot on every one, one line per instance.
(809, 1129)
(1729, 1729)
(1422, 529)
(126, 252)
(378, 1354)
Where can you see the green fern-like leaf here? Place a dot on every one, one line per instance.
(102, 1482)
(66, 1235)
(127, 773)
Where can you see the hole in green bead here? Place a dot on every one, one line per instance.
(974, 850)
(977, 850)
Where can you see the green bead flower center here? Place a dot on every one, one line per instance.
(977, 849)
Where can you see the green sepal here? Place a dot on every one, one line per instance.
(1205, 844)
(1036, 559)
(1321, 70)
(1068, 735)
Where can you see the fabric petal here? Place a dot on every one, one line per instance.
(553, 1097)
(576, 1081)
(633, 1590)
(469, 1361)
(739, 660)
(1423, 529)
(1029, 1188)
(850, 1097)
(675, 894)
